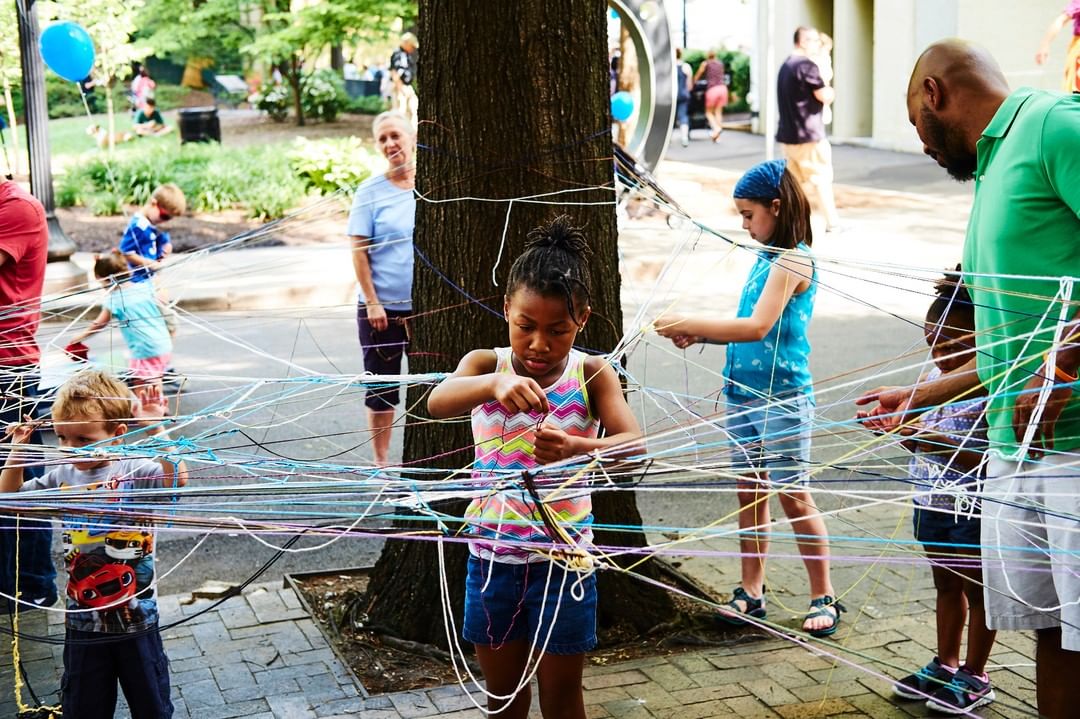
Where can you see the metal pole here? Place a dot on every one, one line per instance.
(37, 127)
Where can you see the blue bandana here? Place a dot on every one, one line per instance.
(761, 182)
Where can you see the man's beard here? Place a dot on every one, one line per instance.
(948, 143)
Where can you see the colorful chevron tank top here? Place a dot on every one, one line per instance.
(504, 447)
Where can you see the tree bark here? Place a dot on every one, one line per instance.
(293, 69)
(515, 104)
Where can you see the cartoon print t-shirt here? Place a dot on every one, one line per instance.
(109, 558)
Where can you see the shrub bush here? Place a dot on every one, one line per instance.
(265, 180)
(328, 166)
(322, 95)
(105, 203)
(212, 177)
(368, 105)
(169, 97)
(270, 202)
(274, 100)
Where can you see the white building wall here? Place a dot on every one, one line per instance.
(1012, 32)
(902, 29)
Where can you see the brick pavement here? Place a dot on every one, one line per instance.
(261, 656)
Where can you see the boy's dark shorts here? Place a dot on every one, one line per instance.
(509, 607)
(95, 663)
(938, 529)
(382, 355)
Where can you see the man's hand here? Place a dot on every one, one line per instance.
(894, 403)
(376, 315)
(519, 394)
(1024, 410)
(552, 445)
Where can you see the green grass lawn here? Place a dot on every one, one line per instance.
(68, 140)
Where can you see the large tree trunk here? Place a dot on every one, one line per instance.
(515, 104)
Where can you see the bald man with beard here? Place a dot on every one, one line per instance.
(1022, 266)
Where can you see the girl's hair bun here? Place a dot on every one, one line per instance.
(952, 287)
(561, 235)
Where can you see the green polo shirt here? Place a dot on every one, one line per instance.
(1025, 225)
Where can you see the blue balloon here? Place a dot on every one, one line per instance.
(622, 105)
(68, 50)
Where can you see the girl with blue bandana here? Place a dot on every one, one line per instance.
(769, 391)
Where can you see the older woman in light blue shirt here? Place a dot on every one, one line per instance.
(381, 227)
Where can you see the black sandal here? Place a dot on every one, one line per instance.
(754, 607)
(820, 608)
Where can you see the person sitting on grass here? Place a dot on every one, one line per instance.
(149, 121)
(112, 614)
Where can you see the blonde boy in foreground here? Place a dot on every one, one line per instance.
(112, 621)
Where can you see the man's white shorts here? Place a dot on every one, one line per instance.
(1031, 545)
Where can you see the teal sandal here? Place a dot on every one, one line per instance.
(820, 608)
(754, 608)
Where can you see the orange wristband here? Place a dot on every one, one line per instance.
(1065, 376)
(1061, 374)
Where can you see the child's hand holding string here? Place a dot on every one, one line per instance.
(551, 444)
(20, 432)
(520, 394)
(670, 325)
(674, 327)
(684, 341)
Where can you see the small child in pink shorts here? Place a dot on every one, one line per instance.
(138, 314)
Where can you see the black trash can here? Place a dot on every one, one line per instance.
(199, 124)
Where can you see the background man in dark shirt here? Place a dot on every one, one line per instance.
(801, 97)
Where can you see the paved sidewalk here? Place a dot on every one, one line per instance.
(260, 655)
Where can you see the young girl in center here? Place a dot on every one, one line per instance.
(769, 391)
(533, 403)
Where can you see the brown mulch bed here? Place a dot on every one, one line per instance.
(386, 664)
(190, 233)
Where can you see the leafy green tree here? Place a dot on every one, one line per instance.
(292, 39)
(182, 29)
(269, 30)
(10, 71)
(111, 24)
